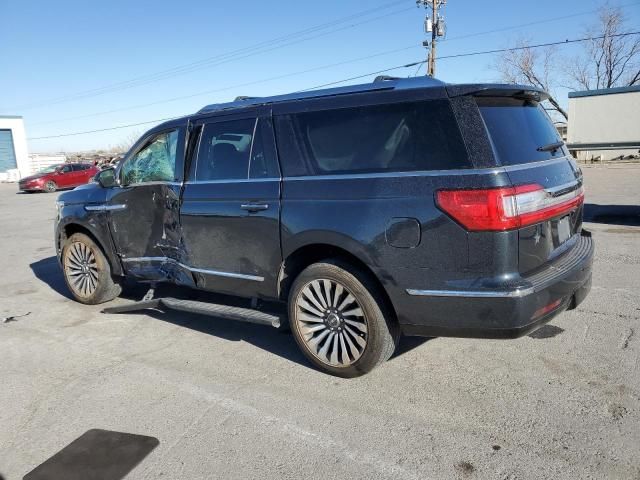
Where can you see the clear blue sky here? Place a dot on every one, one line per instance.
(52, 50)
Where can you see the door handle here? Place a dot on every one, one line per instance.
(254, 207)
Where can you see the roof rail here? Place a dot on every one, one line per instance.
(384, 78)
(380, 83)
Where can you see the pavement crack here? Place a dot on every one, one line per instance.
(627, 338)
(619, 315)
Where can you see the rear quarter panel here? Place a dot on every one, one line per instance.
(358, 212)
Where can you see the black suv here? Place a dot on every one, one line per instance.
(402, 206)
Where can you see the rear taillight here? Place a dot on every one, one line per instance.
(546, 309)
(505, 208)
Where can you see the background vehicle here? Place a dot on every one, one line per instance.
(66, 175)
(403, 206)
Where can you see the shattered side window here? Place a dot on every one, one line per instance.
(154, 163)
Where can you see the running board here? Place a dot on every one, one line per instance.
(202, 308)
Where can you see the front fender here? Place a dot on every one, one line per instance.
(75, 218)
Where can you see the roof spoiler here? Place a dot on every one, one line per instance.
(525, 92)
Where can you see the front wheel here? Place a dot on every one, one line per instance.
(337, 322)
(87, 272)
(50, 186)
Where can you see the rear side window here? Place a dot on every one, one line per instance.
(380, 138)
(236, 150)
(518, 128)
(224, 150)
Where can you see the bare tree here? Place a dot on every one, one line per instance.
(531, 66)
(126, 143)
(609, 61)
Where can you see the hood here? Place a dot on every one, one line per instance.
(84, 194)
(34, 177)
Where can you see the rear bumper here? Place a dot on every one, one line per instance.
(508, 313)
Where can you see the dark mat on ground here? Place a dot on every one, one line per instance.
(96, 455)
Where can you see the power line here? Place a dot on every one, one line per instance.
(230, 87)
(106, 129)
(257, 49)
(368, 74)
(535, 22)
(549, 44)
(471, 54)
(205, 92)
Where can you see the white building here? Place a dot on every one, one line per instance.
(14, 160)
(38, 161)
(604, 123)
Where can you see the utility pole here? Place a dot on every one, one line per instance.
(434, 25)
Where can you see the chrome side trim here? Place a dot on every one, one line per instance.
(564, 186)
(217, 273)
(521, 292)
(104, 208)
(524, 166)
(149, 259)
(155, 182)
(431, 173)
(234, 180)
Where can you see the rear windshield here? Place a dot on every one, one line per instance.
(377, 138)
(518, 128)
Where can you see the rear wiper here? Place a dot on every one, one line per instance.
(552, 147)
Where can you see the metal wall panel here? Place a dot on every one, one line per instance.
(7, 152)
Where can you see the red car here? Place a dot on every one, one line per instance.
(66, 175)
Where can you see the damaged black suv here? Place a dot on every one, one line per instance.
(401, 206)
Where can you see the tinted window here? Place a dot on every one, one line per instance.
(263, 161)
(224, 150)
(395, 137)
(517, 128)
(156, 162)
(66, 169)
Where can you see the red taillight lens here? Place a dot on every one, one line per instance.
(505, 208)
(544, 310)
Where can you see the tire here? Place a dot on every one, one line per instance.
(352, 333)
(50, 186)
(87, 272)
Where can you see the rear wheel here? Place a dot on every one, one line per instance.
(87, 272)
(337, 322)
(50, 186)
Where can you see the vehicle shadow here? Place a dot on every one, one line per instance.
(266, 338)
(48, 271)
(628, 215)
(260, 336)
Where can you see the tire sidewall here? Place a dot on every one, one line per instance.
(378, 328)
(51, 186)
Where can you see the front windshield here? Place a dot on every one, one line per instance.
(50, 169)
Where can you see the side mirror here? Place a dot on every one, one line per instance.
(107, 178)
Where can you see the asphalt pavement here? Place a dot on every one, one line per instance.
(236, 401)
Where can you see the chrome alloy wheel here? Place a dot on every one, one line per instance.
(331, 322)
(81, 269)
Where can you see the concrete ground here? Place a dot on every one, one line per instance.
(235, 401)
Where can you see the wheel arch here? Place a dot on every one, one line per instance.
(308, 254)
(68, 229)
